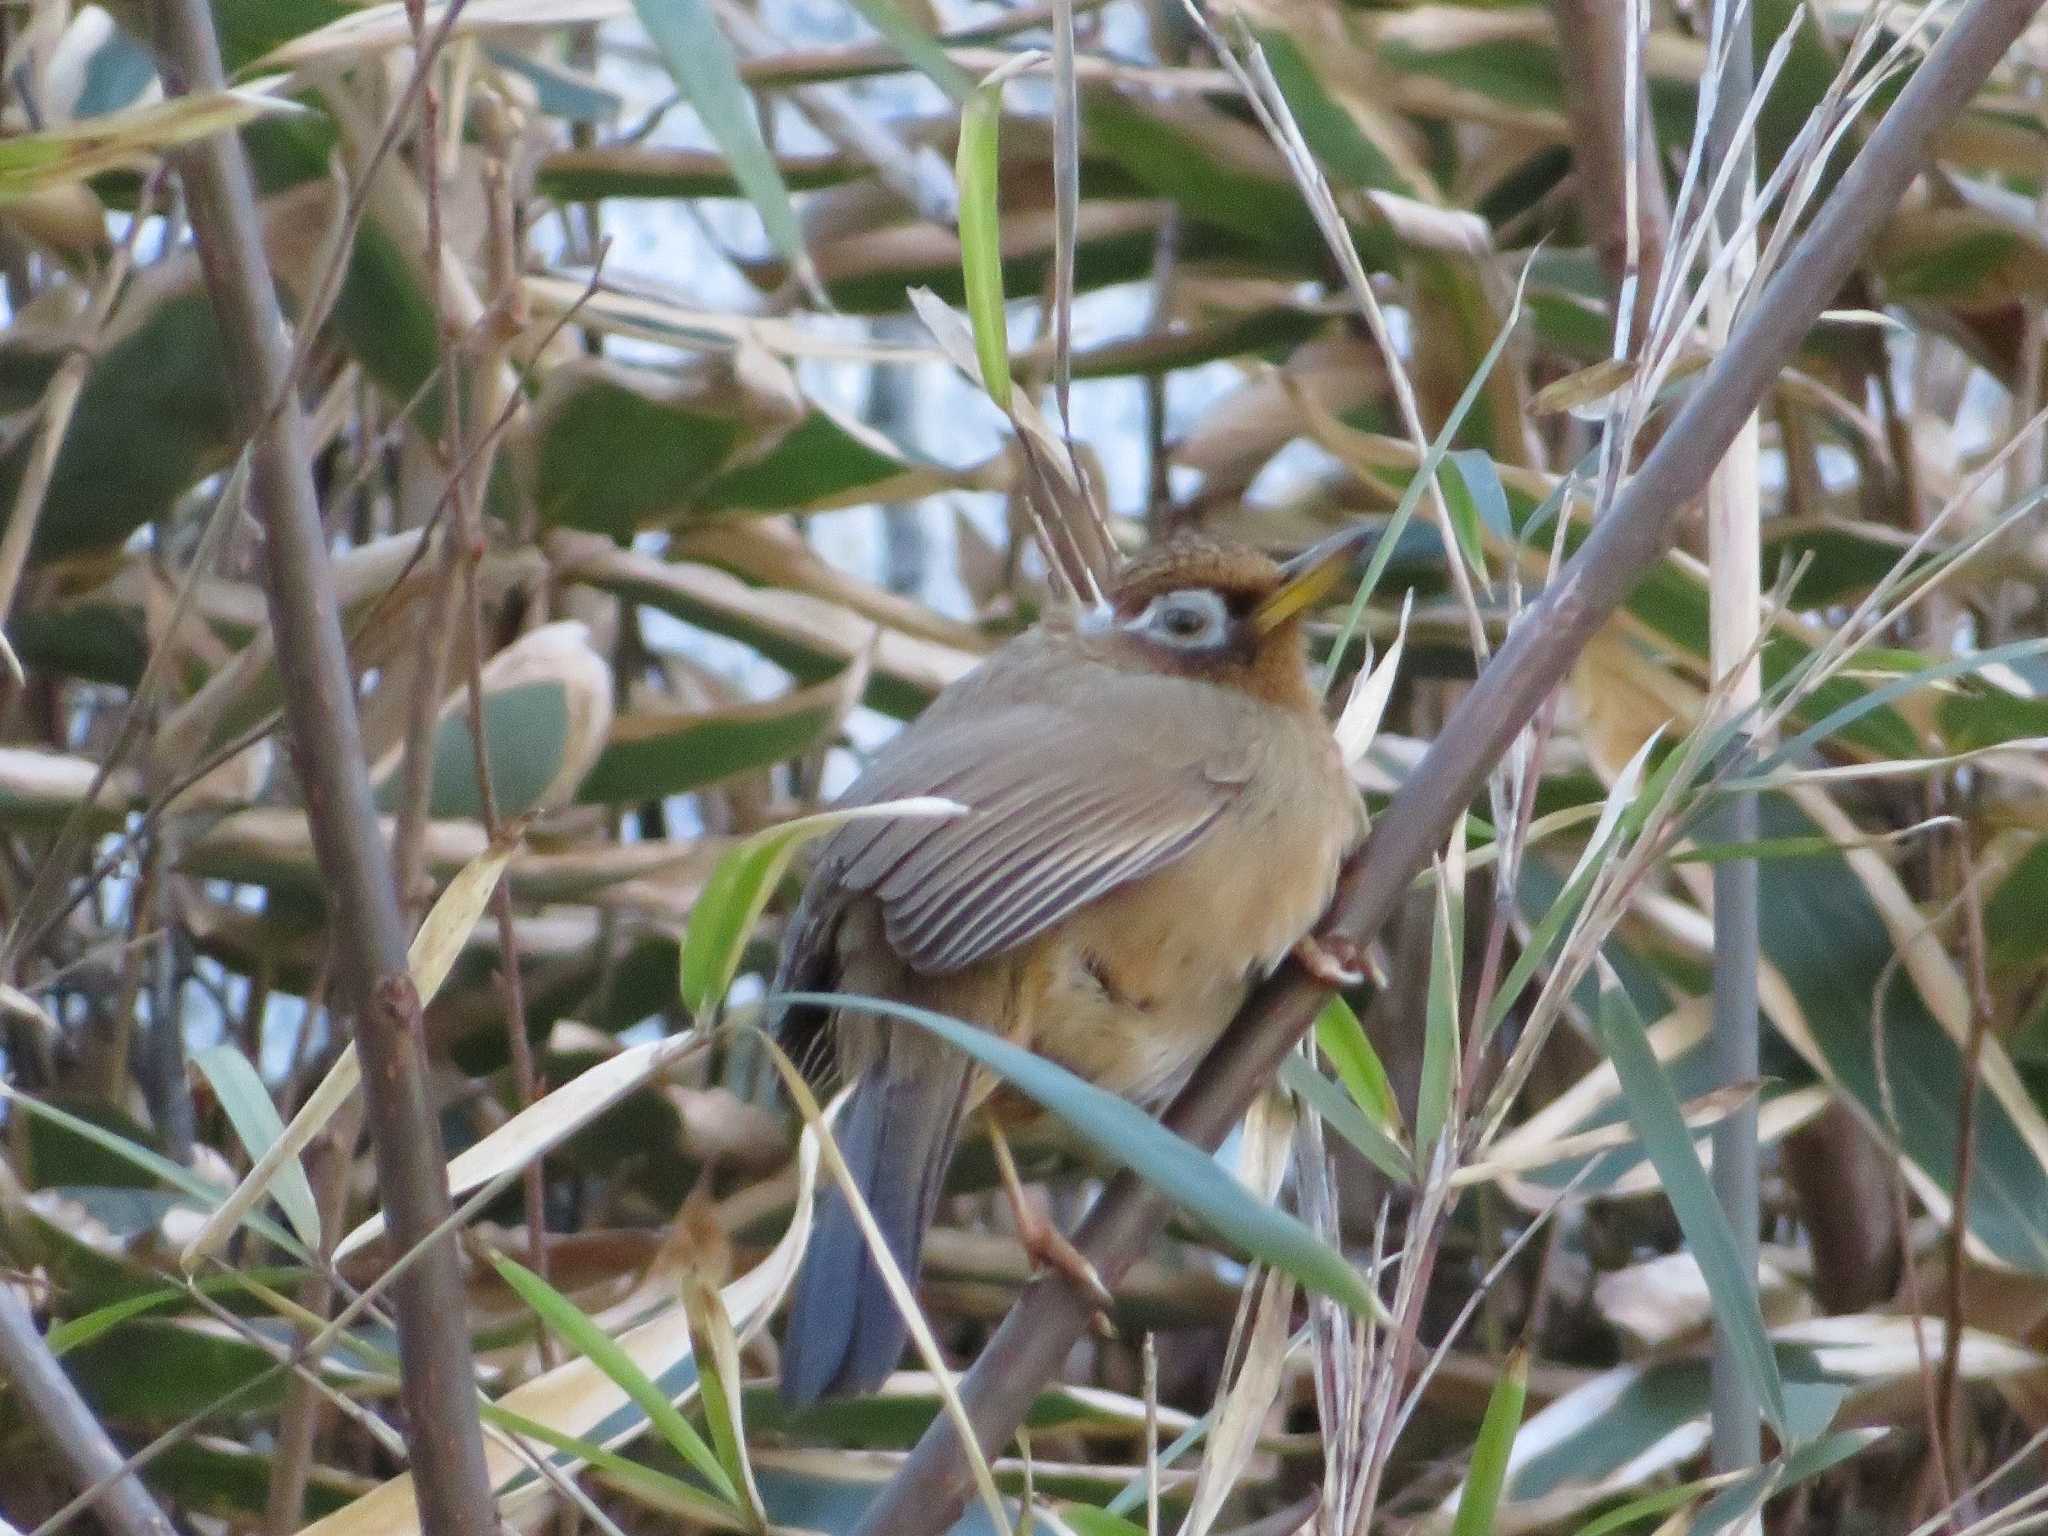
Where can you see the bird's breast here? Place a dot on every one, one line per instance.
(1135, 987)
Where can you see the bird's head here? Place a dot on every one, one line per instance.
(1205, 607)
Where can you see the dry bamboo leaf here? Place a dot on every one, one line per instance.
(576, 1398)
(546, 1123)
(434, 948)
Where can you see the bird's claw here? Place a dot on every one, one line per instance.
(1049, 1248)
(1335, 962)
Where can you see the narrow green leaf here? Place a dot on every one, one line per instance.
(701, 62)
(1488, 1474)
(1653, 1107)
(918, 46)
(1121, 1131)
(257, 1126)
(208, 1195)
(635, 1478)
(718, 1380)
(1735, 1505)
(1425, 472)
(1662, 1502)
(1344, 1040)
(1478, 503)
(738, 891)
(1383, 1151)
(1840, 719)
(732, 902)
(566, 1318)
(981, 254)
(1440, 1033)
(1089, 1521)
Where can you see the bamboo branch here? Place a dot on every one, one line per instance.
(68, 1427)
(1735, 593)
(442, 1432)
(1597, 93)
(930, 1490)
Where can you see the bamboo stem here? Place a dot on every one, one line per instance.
(52, 1403)
(1734, 561)
(442, 1432)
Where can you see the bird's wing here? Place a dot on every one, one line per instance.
(1061, 810)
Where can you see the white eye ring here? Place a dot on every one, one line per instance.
(1193, 619)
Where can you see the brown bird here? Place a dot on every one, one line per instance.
(1156, 815)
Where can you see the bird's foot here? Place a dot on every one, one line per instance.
(1045, 1244)
(1049, 1248)
(1335, 962)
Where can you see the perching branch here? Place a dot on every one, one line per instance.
(930, 1491)
(442, 1432)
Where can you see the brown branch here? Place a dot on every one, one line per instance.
(930, 1490)
(68, 1427)
(1595, 65)
(442, 1431)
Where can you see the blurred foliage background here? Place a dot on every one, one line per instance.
(633, 451)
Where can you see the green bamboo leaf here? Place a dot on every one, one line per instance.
(1344, 1040)
(1480, 1497)
(1848, 714)
(717, 1351)
(1479, 504)
(1425, 472)
(1735, 1505)
(1662, 1502)
(738, 891)
(981, 254)
(1653, 1107)
(566, 1318)
(635, 1478)
(701, 62)
(207, 1194)
(917, 46)
(1440, 1032)
(1121, 1131)
(1466, 527)
(1340, 1114)
(1089, 1521)
(257, 1126)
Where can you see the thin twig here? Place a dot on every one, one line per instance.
(1970, 897)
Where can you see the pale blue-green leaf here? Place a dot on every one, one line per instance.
(257, 1126)
(1341, 1115)
(701, 62)
(1654, 1109)
(1121, 1131)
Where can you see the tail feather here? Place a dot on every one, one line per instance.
(897, 1135)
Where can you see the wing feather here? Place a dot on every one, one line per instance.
(1066, 801)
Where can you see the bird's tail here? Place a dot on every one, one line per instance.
(897, 1135)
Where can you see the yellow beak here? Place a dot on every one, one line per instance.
(1311, 576)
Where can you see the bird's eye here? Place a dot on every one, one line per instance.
(1190, 620)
